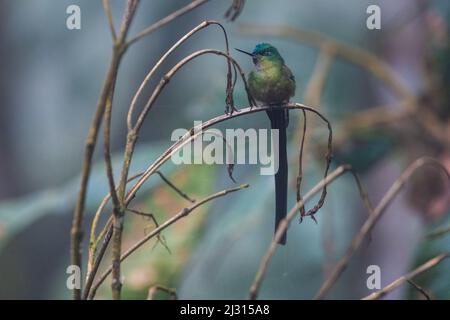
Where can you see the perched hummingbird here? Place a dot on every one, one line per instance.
(272, 83)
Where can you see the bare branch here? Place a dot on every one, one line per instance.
(235, 10)
(316, 85)
(300, 167)
(76, 232)
(107, 149)
(196, 131)
(358, 56)
(230, 154)
(419, 289)
(93, 240)
(128, 154)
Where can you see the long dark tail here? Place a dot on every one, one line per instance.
(279, 120)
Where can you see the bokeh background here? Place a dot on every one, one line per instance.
(50, 81)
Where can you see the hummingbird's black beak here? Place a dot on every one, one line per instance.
(250, 54)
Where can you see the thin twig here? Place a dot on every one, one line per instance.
(117, 196)
(116, 201)
(365, 60)
(419, 289)
(191, 6)
(311, 212)
(181, 214)
(76, 232)
(94, 240)
(158, 64)
(116, 281)
(376, 116)
(151, 216)
(175, 188)
(133, 132)
(107, 149)
(373, 219)
(190, 136)
(356, 55)
(111, 75)
(398, 282)
(120, 46)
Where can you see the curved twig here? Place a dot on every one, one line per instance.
(107, 8)
(373, 219)
(194, 132)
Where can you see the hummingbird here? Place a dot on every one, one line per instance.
(272, 83)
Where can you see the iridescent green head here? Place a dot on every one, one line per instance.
(264, 52)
